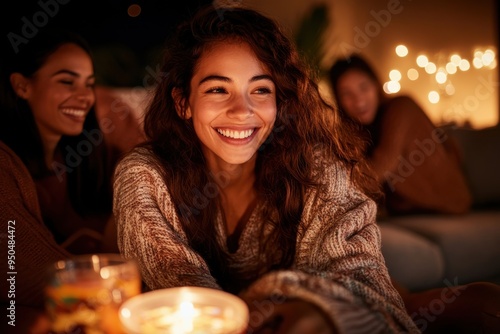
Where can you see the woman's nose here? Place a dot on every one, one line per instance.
(240, 107)
(85, 94)
(359, 101)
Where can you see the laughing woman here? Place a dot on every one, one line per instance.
(55, 164)
(244, 187)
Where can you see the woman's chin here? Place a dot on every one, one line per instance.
(366, 119)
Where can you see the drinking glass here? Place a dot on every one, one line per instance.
(84, 293)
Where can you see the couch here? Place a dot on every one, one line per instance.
(432, 250)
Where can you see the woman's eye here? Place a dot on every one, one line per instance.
(263, 90)
(216, 90)
(66, 82)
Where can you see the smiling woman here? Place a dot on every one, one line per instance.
(234, 111)
(55, 162)
(246, 186)
(59, 94)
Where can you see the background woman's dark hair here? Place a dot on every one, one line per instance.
(88, 183)
(285, 163)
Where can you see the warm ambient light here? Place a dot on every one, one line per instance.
(430, 68)
(401, 50)
(441, 77)
(412, 74)
(477, 62)
(489, 55)
(484, 59)
(464, 65)
(487, 59)
(134, 10)
(433, 97)
(455, 59)
(478, 54)
(451, 86)
(422, 61)
(392, 87)
(449, 89)
(395, 75)
(451, 68)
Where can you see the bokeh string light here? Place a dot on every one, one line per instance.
(442, 71)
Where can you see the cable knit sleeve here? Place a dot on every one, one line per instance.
(339, 266)
(149, 230)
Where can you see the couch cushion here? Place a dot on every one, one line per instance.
(470, 244)
(481, 162)
(412, 260)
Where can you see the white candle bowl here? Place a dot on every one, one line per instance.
(184, 310)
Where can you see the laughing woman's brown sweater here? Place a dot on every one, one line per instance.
(338, 264)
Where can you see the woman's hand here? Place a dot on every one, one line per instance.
(295, 317)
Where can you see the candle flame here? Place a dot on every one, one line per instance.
(185, 315)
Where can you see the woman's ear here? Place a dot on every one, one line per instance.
(20, 85)
(181, 106)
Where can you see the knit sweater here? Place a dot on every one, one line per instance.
(34, 246)
(338, 264)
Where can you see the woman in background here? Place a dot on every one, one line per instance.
(244, 185)
(415, 162)
(419, 169)
(55, 162)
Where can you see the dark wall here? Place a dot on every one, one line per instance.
(124, 46)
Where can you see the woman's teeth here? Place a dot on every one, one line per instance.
(236, 134)
(74, 112)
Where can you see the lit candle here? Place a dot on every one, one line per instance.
(185, 310)
(185, 318)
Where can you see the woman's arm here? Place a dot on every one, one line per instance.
(26, 238)
(338, 267)
(412, 160)
(149, 230)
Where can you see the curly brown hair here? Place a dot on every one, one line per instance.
(285, 162)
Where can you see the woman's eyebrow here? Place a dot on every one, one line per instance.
(214, 78)
(261, 77)
(72, 73)
(226, 79)
(66, 72)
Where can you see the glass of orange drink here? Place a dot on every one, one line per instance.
(84, 293)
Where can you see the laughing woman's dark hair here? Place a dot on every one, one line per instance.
(285, 161)
(85, 159)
